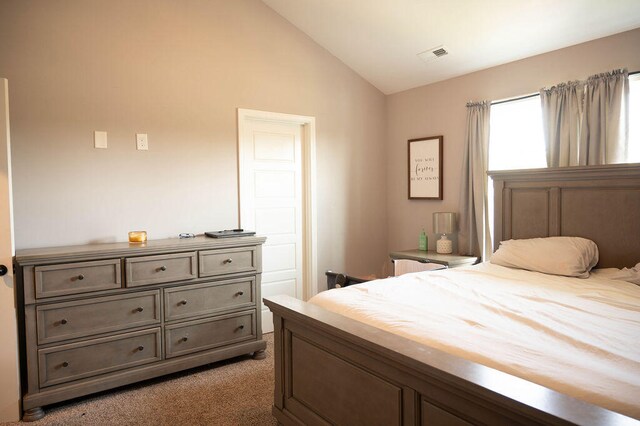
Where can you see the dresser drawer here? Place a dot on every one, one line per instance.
(202, 299)
(69, 320)
(165, 268)
(227, 261)
(73, 278)
(76, 361)
(194, 336)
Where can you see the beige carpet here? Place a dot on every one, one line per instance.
(237, 392)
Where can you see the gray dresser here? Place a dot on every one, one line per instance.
(99, 316)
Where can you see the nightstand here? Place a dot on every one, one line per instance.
(448, 260)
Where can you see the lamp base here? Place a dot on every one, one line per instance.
(444, 245)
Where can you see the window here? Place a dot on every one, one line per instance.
(515, 136)
(634, 118)
(516, 140)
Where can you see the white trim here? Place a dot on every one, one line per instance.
(9, 359)
(310, 243)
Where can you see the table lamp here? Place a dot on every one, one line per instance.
(444, 223)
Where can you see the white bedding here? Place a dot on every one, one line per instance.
(577, 336)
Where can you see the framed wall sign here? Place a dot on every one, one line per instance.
(425, 168)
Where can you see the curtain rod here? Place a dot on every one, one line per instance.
(515, 99)
(534, 94)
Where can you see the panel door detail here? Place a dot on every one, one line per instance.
(272, 204)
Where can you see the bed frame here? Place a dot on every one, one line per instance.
(333, 370)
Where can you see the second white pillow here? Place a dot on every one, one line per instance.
(567, 256)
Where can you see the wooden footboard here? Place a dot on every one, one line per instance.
(332, 370)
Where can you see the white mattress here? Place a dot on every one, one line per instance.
(577, 336)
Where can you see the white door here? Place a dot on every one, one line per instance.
(9, 375)
(271, 203)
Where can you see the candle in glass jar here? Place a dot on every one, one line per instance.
(137, 236)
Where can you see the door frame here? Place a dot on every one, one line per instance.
(309, 213)
(10, 396)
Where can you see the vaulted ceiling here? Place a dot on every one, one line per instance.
(381, 39)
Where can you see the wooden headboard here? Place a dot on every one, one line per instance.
(601, 203)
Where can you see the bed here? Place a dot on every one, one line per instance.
(331, 368)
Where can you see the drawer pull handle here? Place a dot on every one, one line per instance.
(81, 277)
(63, 321)
(240, 293)
(140, 309)
(141, 348)
(228, 261)
(182, 302)
(65, 364)
(163, 268)
(240, 327)
(185, 338)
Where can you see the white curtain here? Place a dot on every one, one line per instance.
(473, 236)
(561, 121)
(587, 123)
(605, 126)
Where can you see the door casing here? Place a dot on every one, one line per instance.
(310, 234)
(9, 361)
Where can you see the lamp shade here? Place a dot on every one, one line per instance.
(444, 223)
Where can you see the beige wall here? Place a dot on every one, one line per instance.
(439, 109)
(178, 70)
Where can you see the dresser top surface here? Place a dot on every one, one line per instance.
(200, 242)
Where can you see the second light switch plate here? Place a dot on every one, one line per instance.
(142, 143)
(100, 139)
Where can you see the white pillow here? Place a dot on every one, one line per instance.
(567, 256)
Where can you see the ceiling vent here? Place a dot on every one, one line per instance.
(435, 53)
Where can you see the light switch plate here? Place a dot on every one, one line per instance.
(142, 143)
(100, 139)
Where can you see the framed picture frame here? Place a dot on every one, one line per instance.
(425, 168)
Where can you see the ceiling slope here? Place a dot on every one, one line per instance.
(380, 39)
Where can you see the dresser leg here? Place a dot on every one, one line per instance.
(33, 414)
(261, 354)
